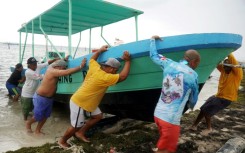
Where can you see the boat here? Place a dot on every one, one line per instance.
(137, 96)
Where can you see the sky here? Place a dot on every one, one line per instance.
(161, 17)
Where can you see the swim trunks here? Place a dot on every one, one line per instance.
(214, 104)
(27, 105)
(42, 107)
(13, 89)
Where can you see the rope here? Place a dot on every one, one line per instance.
(73, 147)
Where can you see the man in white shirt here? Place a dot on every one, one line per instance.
(33, 78)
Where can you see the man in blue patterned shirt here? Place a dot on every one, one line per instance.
(179, 87)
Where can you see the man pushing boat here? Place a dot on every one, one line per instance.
(230, 78)
(43, 98)
(92, 90)
(179, 87)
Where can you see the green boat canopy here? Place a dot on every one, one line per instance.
(86, 14)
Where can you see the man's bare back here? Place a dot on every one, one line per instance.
(49, 83)
(48, 89)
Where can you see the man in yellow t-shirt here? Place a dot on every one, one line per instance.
(229, 82)
(92, 90)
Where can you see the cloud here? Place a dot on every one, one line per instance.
(162, 17)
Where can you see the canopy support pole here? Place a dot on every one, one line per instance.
(101, 34)
(70, 27)
(46, 36)
(90, 31)
(24, 49)
(77, 45)
(136, 27)
(20, 47)
(32, 38)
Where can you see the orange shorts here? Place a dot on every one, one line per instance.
(169, 135)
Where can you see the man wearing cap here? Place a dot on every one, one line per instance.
(32, 81)
(13, 81)
(229, 82)
(43, 98)
(89, 95)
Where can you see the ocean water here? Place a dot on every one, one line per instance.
(12, 126)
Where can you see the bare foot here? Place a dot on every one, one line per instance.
(192, 128)
(10, 97)
(39, 133)
(16, 98)
(29, 131)
(81, 137)
(28, 127)
(63, 145)
(206, 132)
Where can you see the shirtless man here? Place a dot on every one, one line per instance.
(33, 78)
(43, 98)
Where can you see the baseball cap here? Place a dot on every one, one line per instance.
(59, 63)
(31, 60)
(112, 62)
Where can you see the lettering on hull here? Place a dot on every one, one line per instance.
(65, 79)
(68, 78)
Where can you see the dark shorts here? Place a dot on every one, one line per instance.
(42, 107)
(13, 89)
(214, 104)
(26, 104)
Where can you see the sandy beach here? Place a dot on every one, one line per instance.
(131, 136)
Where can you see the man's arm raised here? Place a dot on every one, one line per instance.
(70, 70)
(97, 53)
(125, 71)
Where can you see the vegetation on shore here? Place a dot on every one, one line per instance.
(130, 136)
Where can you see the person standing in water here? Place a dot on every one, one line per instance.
(33, 78)
(14, 80)
(43, 98)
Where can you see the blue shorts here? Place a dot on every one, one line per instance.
(42, 107)
(13, 89)
(214, 104)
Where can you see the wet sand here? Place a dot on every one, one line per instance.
(131, 136)
(12, 127)
(127, 136)
(13, 134)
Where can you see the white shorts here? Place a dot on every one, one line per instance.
(77, 114)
